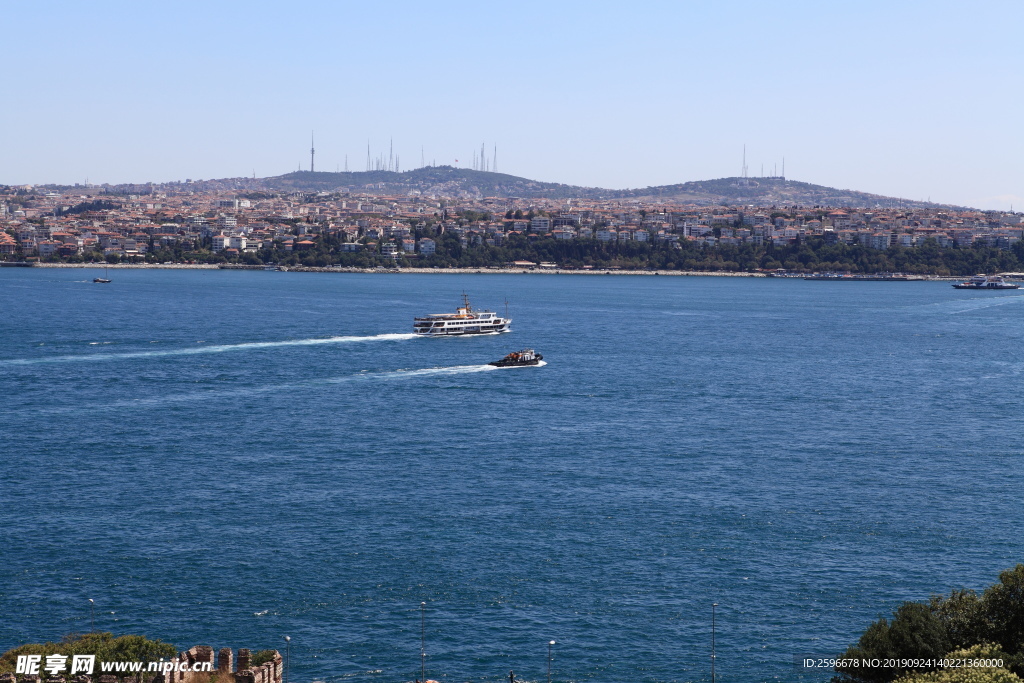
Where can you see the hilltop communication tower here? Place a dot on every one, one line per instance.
(744, 180)
(312, 151)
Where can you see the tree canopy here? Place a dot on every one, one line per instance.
(963, 621)
(104, 645)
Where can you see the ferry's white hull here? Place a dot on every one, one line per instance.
(458, 333)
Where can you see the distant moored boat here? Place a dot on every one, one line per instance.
(986, 282)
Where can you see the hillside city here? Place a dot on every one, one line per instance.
(362, 227)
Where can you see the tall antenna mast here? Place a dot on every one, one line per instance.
(312, 151)
(494, 161)
(367, 155)
(346, 163)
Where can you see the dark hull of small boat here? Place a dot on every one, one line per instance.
(515, 363)
(100, 279)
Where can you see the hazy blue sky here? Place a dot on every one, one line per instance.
(913, 99)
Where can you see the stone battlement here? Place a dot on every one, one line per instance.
(244, 672)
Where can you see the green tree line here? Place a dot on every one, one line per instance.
(805, 256)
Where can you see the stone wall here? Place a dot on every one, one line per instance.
(268, 672)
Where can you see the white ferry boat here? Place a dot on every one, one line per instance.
(986, 282)
(465, 320)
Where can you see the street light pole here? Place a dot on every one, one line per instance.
(713, 606)
(550, 644)
(287, 656)
(423, 642)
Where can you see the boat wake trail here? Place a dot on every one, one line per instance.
(985, 302)
(306, 386)
(424, 372)
(210, 348)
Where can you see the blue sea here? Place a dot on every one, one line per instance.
(226, 458)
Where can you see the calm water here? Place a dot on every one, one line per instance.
(224, 458)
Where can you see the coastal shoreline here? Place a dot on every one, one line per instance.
(131, 266)
(302, 268)
(438, 271)
(394, 271)
(515, 271)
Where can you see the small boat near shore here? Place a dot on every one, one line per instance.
(518, 359)
(986, 282)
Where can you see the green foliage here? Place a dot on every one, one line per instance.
(985, 651)
(963, 621)
(471, 216)
(1004, 607)
(262, 657)
(813, 254)
(104, 645)
(915, 633)
(83, 207)
(964, 618)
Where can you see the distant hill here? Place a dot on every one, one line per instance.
(454, 182)
(439, 180)
(447, 181)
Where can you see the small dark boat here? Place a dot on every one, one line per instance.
(100, 279)
(519, 358)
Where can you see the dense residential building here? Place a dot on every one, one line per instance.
(181, 223)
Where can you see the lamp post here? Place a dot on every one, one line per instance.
(713, 606)
(287, 656)
(550, 644)
(92, 616)
(423, 641)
